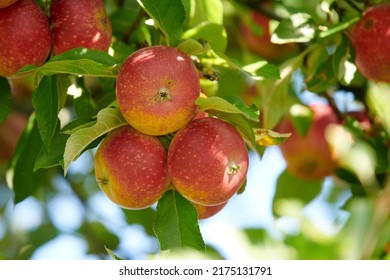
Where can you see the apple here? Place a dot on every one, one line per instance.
(370, 37)
(131, 168)
(310, 157)
(80, 24)
(205, 212)
(362, 119)
(156, 90)
(6, 3)
(257, 38)
(10, 131)
(25, 36)
(207, 161)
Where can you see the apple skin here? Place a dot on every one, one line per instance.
(25, 36)
(205, 212)
(156, 90)
(10, 131)
(309, 157)
(6, 3)
(131, 168)
(80, 24)
(370, 37)
(261, 43)
(207, 161)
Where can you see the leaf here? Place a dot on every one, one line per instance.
(192, 47)
(53, 158)
(46, 102)
(214, 34)
(20, 174)
(143, 217)
(262, 70)
(265, 137)
(216, 103)
(291, 187)
(204, 10)
(294, 29)
(338, 27)
(168, 15)
(301, 117)
(112, 254)
(100, 237)
(107, 120)
(176, 225)
(5, 99)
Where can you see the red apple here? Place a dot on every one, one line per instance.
(370, 37)
(25, 36)
(10, 131)
(80, 24)
(6, 3)
(205, 212)
(207, 161)
(309, 157)
(131, 168)
(258, 39)
(156, 90)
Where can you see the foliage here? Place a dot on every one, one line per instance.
(73, 107)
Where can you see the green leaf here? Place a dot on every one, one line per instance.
(262, 70)
(82, 53)
(214, 34)
(107, 120)
(46, 102)
(53, 158)
(199, 11)
(168, 15)
(20, 174)
(143, 217)
(289, 187)
(294, 29)
(192, 47)
(301, 117)
(112, 254)
(176, 225)
(236, 106)
(5, 99)
(99, 237)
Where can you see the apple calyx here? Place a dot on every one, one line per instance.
(233, 168)
(163, 95)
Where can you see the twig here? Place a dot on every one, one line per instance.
(134, 26)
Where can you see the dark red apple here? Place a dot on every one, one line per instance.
(207, 161)
(131, 168)
(309, 157)
(10, 131)
(257, 38)
(156, 90)
(25, 36)
(370, 37)
(80, 24)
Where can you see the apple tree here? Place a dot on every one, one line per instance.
(158, 105)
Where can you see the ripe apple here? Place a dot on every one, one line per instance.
(80, 24)
(258, 39)
(309, 157)
(207, 161)
(131, 168)
(6, 3)
(370, 37)
(156, 90)
(205, 212)
(25, 36)
(10, 131)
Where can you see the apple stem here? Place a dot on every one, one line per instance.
(233, 168)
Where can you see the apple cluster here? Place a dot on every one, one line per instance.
(206, 160)
(27, 37)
